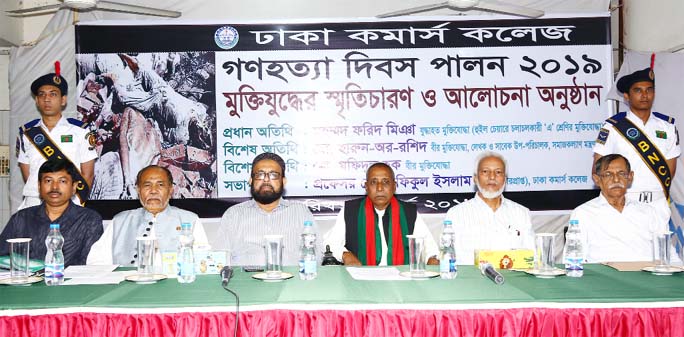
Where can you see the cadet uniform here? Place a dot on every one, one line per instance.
(662, 133)
(70, 135)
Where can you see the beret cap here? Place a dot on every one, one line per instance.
(625, 82)
(50, 79)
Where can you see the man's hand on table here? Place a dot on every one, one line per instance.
(349, 259)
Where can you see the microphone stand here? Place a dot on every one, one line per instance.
(226, 274)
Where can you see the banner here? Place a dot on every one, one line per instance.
(331, 98)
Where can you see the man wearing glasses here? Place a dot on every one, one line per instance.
(372, 230)
(244, 225)
(648, 139)
(616, 228)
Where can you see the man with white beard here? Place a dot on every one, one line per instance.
(490, 221)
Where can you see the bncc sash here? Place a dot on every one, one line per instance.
(649, 153)
(48, 149)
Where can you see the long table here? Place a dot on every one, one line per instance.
(604, 302)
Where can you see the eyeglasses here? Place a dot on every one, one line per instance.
(610, 175)
(261, 175)
(383, 182)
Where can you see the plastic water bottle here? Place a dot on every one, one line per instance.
(307, 257)
(573, 254)
(54, 259)
(186, 257)
(447, 252)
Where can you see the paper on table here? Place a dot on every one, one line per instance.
(88, 271)
(629, 266)
(114, 277)
(376, 274)
(94, 274)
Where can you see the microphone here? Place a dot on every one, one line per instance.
(329, 259)
(491, 273)
(226, 275)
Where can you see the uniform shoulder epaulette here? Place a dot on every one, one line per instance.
(76, 122)
(31, 124)
(666, 118)
(618, 116)
(22, 129)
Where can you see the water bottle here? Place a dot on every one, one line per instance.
(573, 254)
(307, 257)
(186, 257)
(447, 252)
(54, 259)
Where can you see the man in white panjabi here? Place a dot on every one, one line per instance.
(616, 228)
(488, 220)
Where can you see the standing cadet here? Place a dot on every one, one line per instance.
(649, 141)
(53, 136)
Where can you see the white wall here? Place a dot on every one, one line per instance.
(653, 26)
(11, 28)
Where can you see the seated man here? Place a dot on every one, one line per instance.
(383, 222)
(156, 218)
(81, 227)
(615, 228)
(244, 225)
(490, 221)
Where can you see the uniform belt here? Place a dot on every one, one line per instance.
(646, 197)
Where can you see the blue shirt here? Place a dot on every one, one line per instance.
(79, 226)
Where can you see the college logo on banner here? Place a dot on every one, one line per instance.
(226, 37)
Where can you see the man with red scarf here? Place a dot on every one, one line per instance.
(372, 230)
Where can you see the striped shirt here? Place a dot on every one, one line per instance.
(244, 225)
(79, 226)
